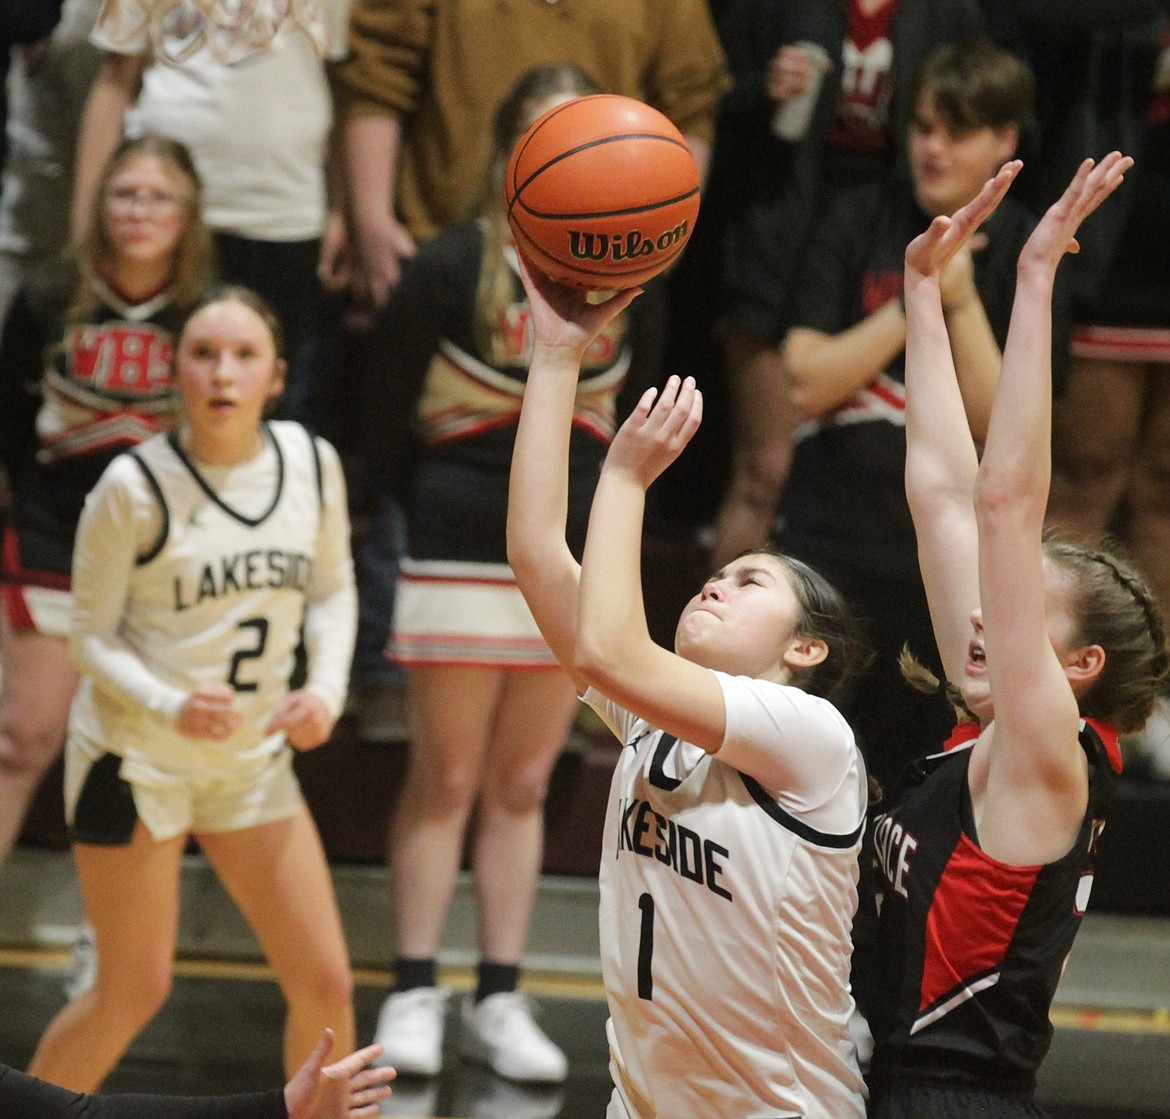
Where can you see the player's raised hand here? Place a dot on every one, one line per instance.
(1056, 232)
(657, 430)
(564, 318)
(930, 252)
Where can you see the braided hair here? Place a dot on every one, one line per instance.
(1115, 608)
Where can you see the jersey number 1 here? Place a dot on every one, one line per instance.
(646, 948)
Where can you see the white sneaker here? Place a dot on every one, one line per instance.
(500, 1032)
(410, 1031)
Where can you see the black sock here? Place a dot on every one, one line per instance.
(492, 979)
(412, 973)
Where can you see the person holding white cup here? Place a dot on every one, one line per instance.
(794, 82)
(859, 107)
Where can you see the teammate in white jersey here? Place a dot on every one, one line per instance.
(729, 874)
(200, 559)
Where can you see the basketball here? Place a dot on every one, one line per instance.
(602, 193)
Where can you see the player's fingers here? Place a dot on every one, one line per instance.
(971, 216)
(645, 403)
(670, 390)
(281, 710)
(367, 1096)
(684, 401)
(316, 1059)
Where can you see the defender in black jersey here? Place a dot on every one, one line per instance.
(985, 855)
(972, 948)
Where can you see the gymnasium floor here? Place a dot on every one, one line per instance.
(221, 1030)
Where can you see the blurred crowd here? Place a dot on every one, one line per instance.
(330, 150)
(347, 156)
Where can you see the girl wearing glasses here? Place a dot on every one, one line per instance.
(85, 372)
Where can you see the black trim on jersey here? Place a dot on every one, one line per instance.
(658, 775)
(810, 835)
(251, 522)
(633, 743)
(164, 531)
(317, 469)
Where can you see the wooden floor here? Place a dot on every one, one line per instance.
(221, 1032)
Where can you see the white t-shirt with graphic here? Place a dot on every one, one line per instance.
(247, 92)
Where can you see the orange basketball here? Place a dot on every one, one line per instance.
(602, 193)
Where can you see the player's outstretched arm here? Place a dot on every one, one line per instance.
(615, 650)
(941, 461)
(564, 323)
(1035, 709)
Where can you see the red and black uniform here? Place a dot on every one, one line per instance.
(74, 394)
(970, 950)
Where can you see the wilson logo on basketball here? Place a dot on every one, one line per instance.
(584, 245)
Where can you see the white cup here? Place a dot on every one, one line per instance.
(791, 119)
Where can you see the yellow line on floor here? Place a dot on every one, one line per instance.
(556, 985)
(1114, 1021)
(546, 984)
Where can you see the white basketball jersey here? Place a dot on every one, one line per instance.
(725, 940)
(220, 597)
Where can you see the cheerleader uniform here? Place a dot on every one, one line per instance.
(457, 602)
(105, 385)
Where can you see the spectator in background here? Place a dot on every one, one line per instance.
(857, 135)
(425, 78)
(423, 83)
(843, 508)
(84, 374)
(48, 87)
(251, 100)
(489, 706)
(1104, 73)
(748, 169)
(27, 24)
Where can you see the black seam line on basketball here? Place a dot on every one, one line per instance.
(594, 215)
(596, 144)
(549, 117)
(577, 266)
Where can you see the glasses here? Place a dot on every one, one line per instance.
(123, 199)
